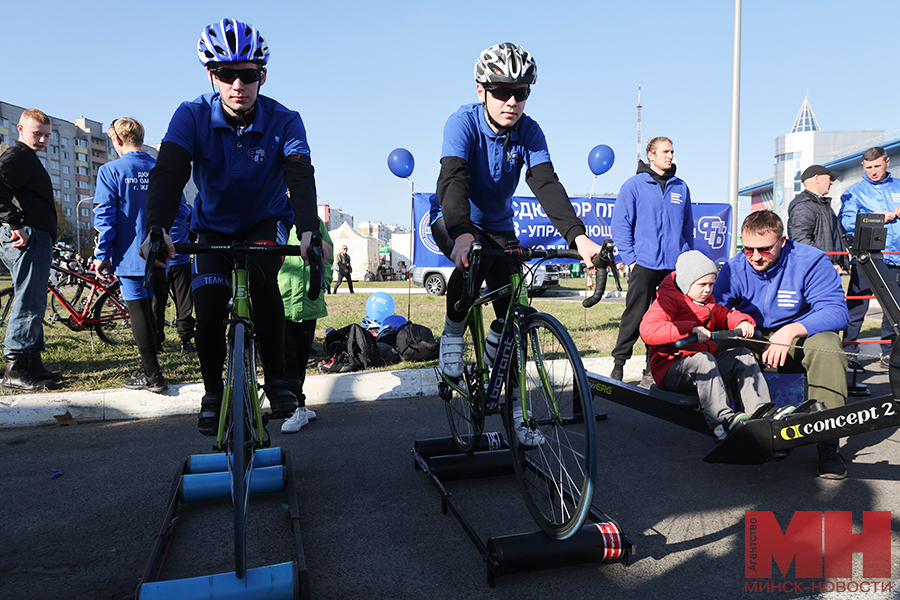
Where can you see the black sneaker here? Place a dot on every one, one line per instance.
(282, 401)
(188, 348)
(208, 419)
(854, 366)
(831, 463)
(140, 381)
(618, 372)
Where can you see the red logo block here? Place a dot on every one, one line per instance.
(819, 544)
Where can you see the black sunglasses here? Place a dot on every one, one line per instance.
(503, 93)
(229, 75)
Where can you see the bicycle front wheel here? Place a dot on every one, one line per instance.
(6, 300)
(552, 438)
(72, 292)
(111, 319)
(465, 412)
(241, 450)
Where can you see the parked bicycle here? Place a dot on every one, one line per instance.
(241, 430)
(82, 301)
(538, 369)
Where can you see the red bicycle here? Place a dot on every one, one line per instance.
(82, 301)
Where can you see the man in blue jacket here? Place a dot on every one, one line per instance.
(794, 294)
(652, 225)
(119, 217)
(878, 192)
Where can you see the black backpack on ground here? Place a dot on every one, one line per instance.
(416, 343)
(362, 350)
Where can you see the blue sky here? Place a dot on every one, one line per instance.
(368, 77)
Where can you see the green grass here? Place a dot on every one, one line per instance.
(103, 366)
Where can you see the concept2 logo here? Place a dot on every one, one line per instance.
(815, 538)
(713, 230)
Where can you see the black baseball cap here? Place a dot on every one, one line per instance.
(818, 170)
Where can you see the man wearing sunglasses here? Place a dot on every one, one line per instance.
(486, 145)
(246, 151)
(794, 294)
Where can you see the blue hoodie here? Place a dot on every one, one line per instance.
(869, 196)
(652, 226)
(802, 287)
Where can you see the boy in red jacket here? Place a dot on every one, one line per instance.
(684, 305)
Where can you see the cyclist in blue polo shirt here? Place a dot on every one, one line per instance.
(485, 147)
(246, 150)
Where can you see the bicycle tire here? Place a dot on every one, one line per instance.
(113, 323)
(557, 476)
(465, 413)
(6, 298)
(242, 463)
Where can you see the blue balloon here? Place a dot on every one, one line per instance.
(401, 163)
(394, 321)
(379, 305)
(601, 159)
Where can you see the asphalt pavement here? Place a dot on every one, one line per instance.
(373, 526)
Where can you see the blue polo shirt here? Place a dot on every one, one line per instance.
(495, 163)
(240, 178)
(119, 212)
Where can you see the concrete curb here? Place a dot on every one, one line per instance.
(28, 410)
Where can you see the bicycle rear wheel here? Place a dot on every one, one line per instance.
(465, 413)
(113, 323)
(556, 474)
(241, 449)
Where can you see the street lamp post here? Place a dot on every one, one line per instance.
(78, 223)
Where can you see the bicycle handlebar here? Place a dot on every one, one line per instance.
(522, 254)
(721, 334)
(603, 262)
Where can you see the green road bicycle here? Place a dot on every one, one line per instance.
(537, 378)
(241, 430)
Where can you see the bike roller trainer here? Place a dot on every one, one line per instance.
(205, 477)
(599, 541)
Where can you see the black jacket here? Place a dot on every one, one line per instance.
(811, 221)
(26, 193)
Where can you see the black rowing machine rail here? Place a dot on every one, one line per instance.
(599, 541)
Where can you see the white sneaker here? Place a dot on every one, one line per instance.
(451, 356)
(309, 414)
(296, 421)
(525, 435)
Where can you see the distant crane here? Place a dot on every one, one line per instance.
(639, 125)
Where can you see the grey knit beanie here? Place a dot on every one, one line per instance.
(691, 266)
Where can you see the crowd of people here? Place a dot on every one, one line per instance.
(781, 287)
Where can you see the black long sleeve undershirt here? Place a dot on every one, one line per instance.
(167, 180)
(299, 175)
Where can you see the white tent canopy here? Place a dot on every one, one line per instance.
(363, 250)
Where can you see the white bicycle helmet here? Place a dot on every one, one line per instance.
(230, 40)
(505, 63)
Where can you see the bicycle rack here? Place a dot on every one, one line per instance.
(600, 541)
(205, 477)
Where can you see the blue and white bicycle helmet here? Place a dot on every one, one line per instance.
(505, 63)
(229, 40)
